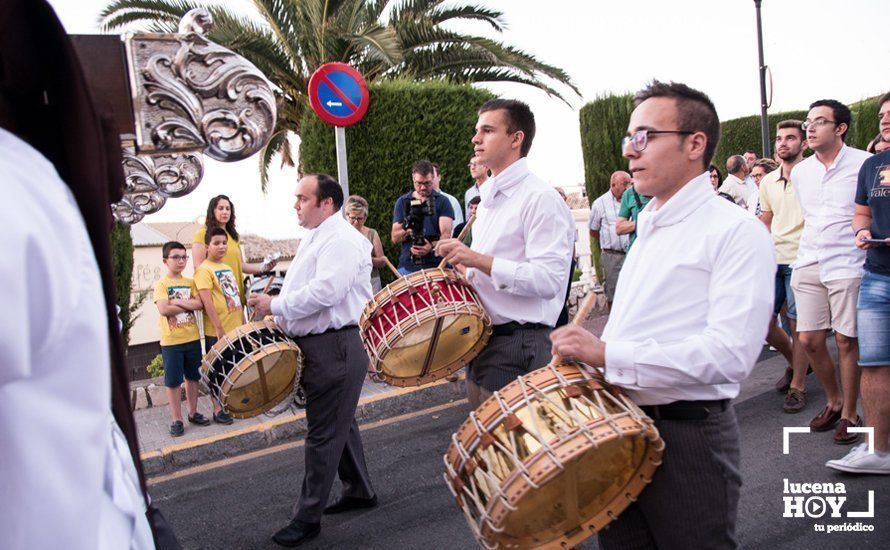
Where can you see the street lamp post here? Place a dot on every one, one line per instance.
(764, 121)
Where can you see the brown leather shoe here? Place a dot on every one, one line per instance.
(783, 383)
(825, 420)
(795, 401)
(842, 436)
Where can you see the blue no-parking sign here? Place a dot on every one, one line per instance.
(338, 94)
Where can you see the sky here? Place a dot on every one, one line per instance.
(814, 48)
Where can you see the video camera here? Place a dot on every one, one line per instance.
(415, 212)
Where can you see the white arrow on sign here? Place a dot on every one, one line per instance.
(334, 104)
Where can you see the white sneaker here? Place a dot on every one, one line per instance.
(860, 461)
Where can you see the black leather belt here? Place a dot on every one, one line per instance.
(614, 251)
(685, 410)
(507, 329)
(341, 329)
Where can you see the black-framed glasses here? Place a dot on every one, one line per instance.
(816, 123)
(177, 258)
(639, 139)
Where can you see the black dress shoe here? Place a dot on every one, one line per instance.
(346, 504)
(296, 533)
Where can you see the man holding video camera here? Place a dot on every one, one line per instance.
(420, 217)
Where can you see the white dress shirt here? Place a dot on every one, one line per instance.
(603, 216)
(528, 229)
(328, 283)
(66, 480)
(458, 211)
(827, 200)
(735, 188)
(693, 301)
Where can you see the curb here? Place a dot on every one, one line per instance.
(290, 427)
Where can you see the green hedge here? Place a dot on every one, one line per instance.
(405, 122)
(603, 124)
(740, 134)
(122, 267)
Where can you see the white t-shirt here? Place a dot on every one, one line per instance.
(67, 478)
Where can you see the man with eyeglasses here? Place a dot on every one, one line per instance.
(479, 173)
(691, 311)
(871, 225)
(783, 217)
(828, 268)
(416, 256)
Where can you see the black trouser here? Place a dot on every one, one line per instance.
(335, 368)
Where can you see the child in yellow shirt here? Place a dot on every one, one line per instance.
(176, 298)
(218, 291)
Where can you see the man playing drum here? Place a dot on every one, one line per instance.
(691, 311)
(322, 296)
(523, 239)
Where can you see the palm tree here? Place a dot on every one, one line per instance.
(384, 39)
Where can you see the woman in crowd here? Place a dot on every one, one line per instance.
(716, 176)
(357, 213)
(221, 212)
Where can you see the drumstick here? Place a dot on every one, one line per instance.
(392, 268)
(583, 311)
(463, 233)
(265, 289)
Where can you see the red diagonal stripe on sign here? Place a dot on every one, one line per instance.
(337, 91)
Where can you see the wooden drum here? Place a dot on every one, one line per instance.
(551, 459)
(252, 368)
(424, 326)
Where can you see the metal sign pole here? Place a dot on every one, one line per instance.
(342, 172)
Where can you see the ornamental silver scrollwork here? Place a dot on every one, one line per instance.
(151, 179)
(190, 93)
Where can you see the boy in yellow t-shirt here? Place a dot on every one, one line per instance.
(176, 298)
(218, 291)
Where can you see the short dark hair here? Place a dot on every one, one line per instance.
(213, 232)
(327, 188)
(422, 167)
(839, 111)
(752, 151)
(884, 99)
(170, 246)
(519, 118)
(792, 123)
(475, 200)
(695, 111)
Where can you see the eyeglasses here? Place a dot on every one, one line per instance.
(423, 183)
(816, 123)
(177, 258)
(355, 218)
(639, 139)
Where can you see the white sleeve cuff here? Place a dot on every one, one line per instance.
(620, 366)
(277, 306)
(503, 274)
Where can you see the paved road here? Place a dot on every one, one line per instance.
(240, 505)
